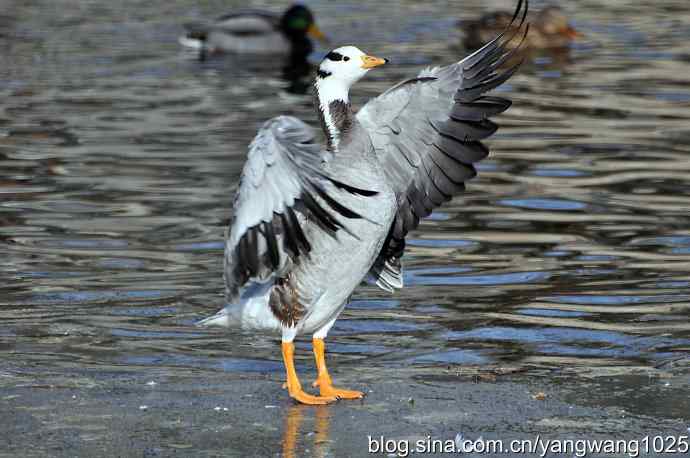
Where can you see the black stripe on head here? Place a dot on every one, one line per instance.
(323, 73)
(334, 56)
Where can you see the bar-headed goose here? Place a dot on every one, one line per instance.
(311, 222)
(251, 31)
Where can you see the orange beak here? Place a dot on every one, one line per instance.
(371, 61)
(571, 33)
(314, 32)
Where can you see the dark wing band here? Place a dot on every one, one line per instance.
(428, 133)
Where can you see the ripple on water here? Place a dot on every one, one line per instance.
(223, 364)
(118, 166)
(463, 357)
(96, 297)
(561, 341)
(544, 204)
(425, 279)
(616, 300)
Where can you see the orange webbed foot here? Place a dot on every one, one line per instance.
(328, 390)
(293, 385)
(324, 381)
(309, 399)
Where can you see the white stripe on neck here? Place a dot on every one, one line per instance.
(329, 90)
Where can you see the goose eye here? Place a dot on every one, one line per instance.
(346, 58)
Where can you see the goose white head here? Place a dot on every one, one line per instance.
(347, 64)
(340, 69)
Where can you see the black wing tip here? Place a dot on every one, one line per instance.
(480, 109)
(352, 189)
(519, 26)
(271, 244)
(497, 46)
(302, 241)
(492, 81)
(337, 206)
(460, 137)
(517, 13)
(324, 219)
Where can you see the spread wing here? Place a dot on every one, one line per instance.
(283, 187)
(427, 133)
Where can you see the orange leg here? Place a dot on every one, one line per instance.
(323, 380)
(294, 386)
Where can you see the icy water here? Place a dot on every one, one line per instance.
(569, 255)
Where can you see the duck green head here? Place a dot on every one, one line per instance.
(298, 20)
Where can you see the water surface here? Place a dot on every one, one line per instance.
(119, 154)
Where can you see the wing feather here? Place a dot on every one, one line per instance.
(427, 133)
(283, 187)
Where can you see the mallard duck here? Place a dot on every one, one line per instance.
(310, 223)
(251, 31)
(549, 29)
